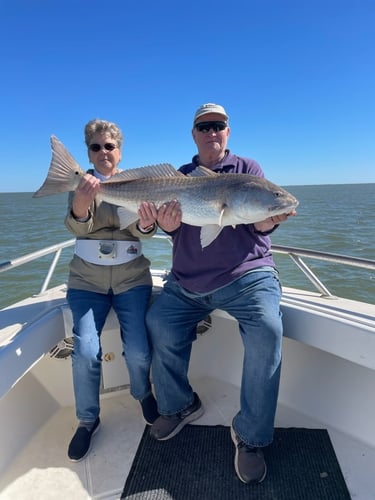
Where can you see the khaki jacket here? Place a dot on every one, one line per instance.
(103, 224)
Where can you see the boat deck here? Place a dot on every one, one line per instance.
(43, 471)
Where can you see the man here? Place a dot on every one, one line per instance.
(235, 273)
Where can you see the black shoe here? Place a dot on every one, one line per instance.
(81, 442)
(167, 426)
(149, 409)
(248, 461)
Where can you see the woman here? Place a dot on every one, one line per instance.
(107, 271)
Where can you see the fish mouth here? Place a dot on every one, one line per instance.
(285, 209)
(295, 204)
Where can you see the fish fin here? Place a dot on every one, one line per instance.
(64, 172)
(155, 171)
(209, 233)
(126, 217)
(202, 172)
(221, 217)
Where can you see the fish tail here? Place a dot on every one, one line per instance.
(64, 172)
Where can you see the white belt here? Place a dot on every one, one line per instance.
(108, 252)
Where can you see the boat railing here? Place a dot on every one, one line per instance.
(294, 253)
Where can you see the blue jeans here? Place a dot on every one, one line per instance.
(90, 310)
(254, 300)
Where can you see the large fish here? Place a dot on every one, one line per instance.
(207, 199)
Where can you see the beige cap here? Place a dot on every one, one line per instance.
(210, 108)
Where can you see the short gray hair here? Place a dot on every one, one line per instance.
(97, 126)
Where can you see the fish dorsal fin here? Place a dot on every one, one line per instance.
(155, 171)
(202, 172)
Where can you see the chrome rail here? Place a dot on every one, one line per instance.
(56, 249)
(294, 253)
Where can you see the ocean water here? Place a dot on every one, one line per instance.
(333, 218)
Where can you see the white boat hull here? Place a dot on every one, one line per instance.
(327, 381)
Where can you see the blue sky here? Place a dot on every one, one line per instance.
(297, 78)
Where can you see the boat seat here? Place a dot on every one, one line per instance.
(28, 330)
(31, 328)
(343, 327)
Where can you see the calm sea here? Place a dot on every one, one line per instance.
(332, 218)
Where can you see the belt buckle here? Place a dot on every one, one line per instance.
(107, 250)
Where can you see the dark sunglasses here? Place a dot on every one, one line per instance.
(207, 126)
(108, 146)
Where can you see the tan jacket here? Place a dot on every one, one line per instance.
(104, 225)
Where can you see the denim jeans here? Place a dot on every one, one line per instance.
(90, 310)
(254, 300)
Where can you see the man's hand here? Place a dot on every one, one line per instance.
(271, 222)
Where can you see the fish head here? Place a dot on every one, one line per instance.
(257, 199)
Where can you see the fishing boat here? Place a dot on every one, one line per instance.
(328, 381)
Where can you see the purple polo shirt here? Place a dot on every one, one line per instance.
(233, 253)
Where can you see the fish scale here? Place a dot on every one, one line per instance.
(196, 200)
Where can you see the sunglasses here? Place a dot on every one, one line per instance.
(108, 146)
(205, 127)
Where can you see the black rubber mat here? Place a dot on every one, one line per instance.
(197, 464)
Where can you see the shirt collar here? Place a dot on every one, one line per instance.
(222, 166)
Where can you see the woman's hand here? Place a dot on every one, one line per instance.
(147, 215)
(84, 195)
(169, 216)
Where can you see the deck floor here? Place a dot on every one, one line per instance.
(42, 471)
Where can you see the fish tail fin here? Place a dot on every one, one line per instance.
(64, 172)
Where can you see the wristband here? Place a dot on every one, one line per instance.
(147, 229)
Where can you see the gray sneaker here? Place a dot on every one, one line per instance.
(248, 461)
(167, 426)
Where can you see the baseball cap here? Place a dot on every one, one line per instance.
(210, 108)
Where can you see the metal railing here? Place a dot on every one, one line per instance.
(295, 254)
(56, 249)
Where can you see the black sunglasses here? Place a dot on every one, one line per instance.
(108, 146)
(207, 126)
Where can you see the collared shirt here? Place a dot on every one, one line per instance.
(233, 253)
